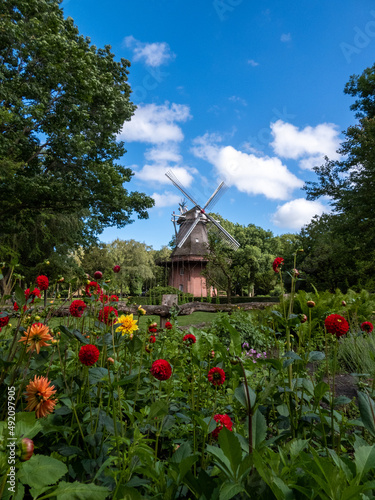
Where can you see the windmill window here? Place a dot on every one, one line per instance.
(181, 271)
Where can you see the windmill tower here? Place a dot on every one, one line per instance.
(189, 258)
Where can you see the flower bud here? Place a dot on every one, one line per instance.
(303, 318)
(310, 303)
(110, 360)
(98, 275)
(343, 303)
(27, 449)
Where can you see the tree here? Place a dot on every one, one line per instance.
(350, 183)
(62, 104)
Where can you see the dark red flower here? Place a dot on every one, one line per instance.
(104, 298)
(116, 269)
(168, 325)
(161, 369)
(336, 324)
(367, 326)
(35, 293)
(189, 339)
(222, 421)
(98, 275)
(4, 321)
(152, 339)
(279, 261)
(152, 330)
(113, 298)
(216, 376)
(108, 315)
(42, 282)
(77, 308)
(92, 285)
(88, 355)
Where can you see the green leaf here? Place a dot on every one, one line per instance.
(81, 491)
(241, 396)
(235, 342)
(41, 470)
(182, 452)
(135, 345)
(320, 390)
(316, 356)
(19, 295)
(367, 411)
(231, 447)
(27, 425)
(228, 490)
(158, 409)
(297, 446)
(364, 459)
(73, 334)
(259, 429)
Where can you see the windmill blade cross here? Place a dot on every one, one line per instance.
(233, 243)
(179, 186)
(191, 229)
(215, 197)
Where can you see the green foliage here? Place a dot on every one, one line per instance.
(157, 293)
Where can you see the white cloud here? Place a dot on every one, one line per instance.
(152, 54)
(249, 173)
(309, 145)
(164, 154)
(156, 173)
(166, 199)
(156, 124)
(252, 62)
(286, 37)
(235, 98)
(296, 213)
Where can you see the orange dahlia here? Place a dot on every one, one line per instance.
(36, 337)
(38, 394)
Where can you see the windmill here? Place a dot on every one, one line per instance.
(189, 257)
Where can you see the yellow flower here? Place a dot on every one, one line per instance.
(127, 325)
(141, 311)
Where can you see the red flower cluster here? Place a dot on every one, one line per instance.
(106, 313)
(116, 269)
(336, 324)
(98, 275)
(4, 321)
(189, 339)
(91, 285)
(153, 328)
(152, 339)
(216, 376)
(222, 421)
(35, 293)
(88, 355)
(161, 369)
(77, 308)
(113, 298)
(168, 325)
(104, 298)
(367, 326)
(279, 261)
(42, 282)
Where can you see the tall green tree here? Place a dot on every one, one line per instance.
(62, 103)
(350, 184)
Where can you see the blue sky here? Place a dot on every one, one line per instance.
(246, 92)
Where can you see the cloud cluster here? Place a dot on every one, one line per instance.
(296, 213)
(152, 54)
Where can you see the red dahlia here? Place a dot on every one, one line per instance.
(189, 339)
(222, 421)
(113, 298)
(168, 325)
(77, 308)
(92, 285)
(367, 326)
(116, 269)
(152, 330)
(108, 315)
(98, 275)
(42, 282)
(4, 321)
(88, 355)
(35, 293)
(161, 369)
(216, 376)
(279, 261)
(104, 298)
(336, 324)
(152, 339)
